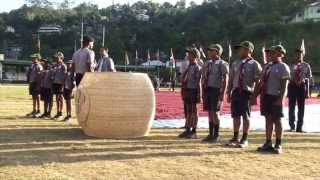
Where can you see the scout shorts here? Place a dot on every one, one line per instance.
(268, 108)
(211, 99)
(190, 96)
(46, 94)
(67, 94)
(57, 89)
(34, 89)
(240, 104)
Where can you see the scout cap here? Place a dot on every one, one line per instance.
(279, 48)
(246, 44)
(88, 39)
(35, 55)
(215, 47)
(193, 51)
(58, 55)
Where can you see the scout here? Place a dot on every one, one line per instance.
(298, 90)
(244, 74)
(84, 59)
(46, 89)
(60, 73)
(191, 90)
(105, 63)
(33, 77)
(275, 78)
(67, 93)
(214, 81)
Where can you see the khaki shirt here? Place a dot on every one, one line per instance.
(82, 59)
(305, 72)
(213, 73)
(277, 73)
(192, 76)
(60, 73)
(34, 73)
(251, 73)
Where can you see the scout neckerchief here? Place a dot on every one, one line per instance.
(298, 74)
(186, 75)
(208, 73)
(241, 74)
(266, 76)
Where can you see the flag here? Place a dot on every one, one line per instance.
(303, 47)
(172, 59)
(137, 56)
(230, 51)
(202, 53)
(158, 55)
(148, 55)
(126, 58)
(264, 56)
(38, 43)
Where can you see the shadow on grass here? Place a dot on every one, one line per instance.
(38, 146)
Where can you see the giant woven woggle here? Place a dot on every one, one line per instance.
(115, 105)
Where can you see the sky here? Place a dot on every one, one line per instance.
(15, 4)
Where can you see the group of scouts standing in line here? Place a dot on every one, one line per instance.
(241, 83)
(210, 81)
(60, 78)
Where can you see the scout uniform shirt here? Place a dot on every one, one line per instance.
(192, 76)
(69, 82)
(276, 72)
(243, 74)
(301, 71)
(213, 73)
(60, 72)
(47, 79)
(106, 64)
(34, 73)
(82, 58)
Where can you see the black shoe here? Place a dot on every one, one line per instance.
(300, 131)
(266, 147)
(243, 143)
(67, 118)
(233, 142)
(184, 134)
(192, 135)
(208, 139)
(31, 114)
(43, 115)
(278, 149)
(216, 139)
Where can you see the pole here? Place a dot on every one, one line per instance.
(81, 33)
(103, 35)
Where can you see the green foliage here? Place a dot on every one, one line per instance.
(167, 26)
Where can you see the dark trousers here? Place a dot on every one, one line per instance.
(79, 78)
(296, 95)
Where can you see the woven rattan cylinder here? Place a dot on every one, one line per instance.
(115, 105)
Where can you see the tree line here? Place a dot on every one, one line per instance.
(150, 25)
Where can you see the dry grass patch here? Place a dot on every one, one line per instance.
(44, 149)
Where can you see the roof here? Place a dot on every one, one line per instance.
(15, 62)
(314, 4)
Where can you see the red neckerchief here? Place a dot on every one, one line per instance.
(266, 75)
(298, 73)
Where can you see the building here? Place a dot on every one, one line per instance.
(310, 13)
(14, 70)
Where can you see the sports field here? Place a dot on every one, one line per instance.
(45, 149)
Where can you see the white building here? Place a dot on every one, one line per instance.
(310, 13)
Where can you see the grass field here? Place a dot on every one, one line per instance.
(44, 149)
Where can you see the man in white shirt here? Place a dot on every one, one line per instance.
(84, 59)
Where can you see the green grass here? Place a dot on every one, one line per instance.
(45, 149)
